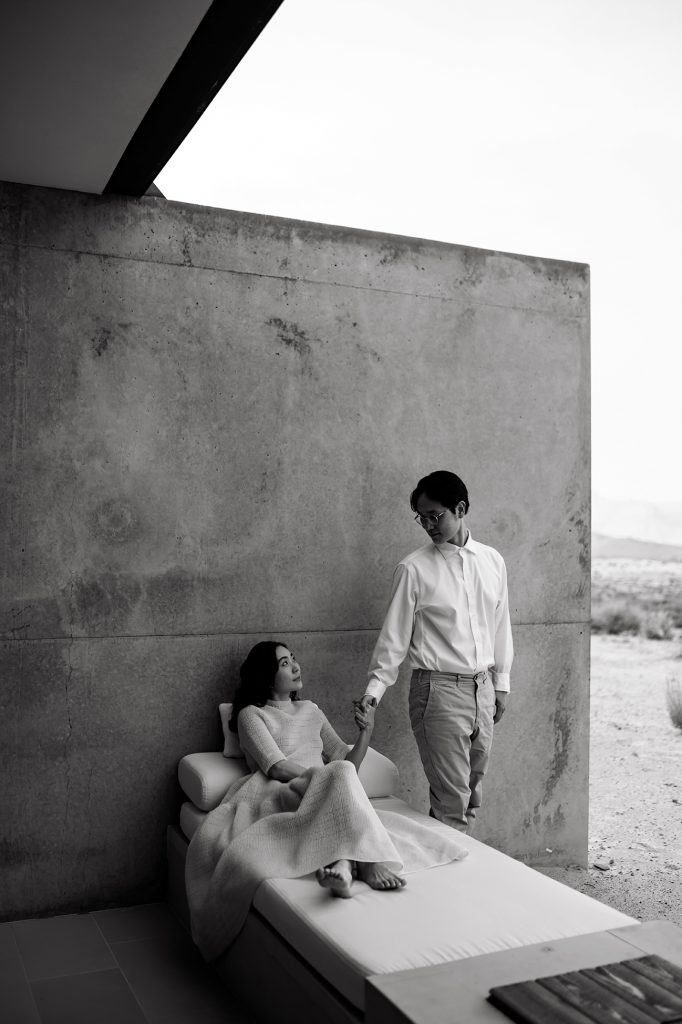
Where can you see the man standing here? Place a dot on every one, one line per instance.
(449, 611)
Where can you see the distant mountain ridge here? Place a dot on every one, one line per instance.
(628, 547)
(659, 521)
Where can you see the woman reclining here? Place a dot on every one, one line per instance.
(301, 810)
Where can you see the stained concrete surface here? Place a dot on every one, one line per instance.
(171, 447)
(212, 422)
(94, 753)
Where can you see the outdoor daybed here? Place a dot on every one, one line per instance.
(304, 956)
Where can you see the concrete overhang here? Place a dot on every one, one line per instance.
(97, 96)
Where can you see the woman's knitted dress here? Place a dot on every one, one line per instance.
(268, 829)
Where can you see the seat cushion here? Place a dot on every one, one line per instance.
(486, 903)
(190, 819)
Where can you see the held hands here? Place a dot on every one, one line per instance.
(363, 712)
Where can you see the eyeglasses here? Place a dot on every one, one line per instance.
(431, 519)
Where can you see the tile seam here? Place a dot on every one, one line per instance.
(24, 971)
(119, 967)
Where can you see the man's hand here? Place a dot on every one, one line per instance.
(500, 704)
(364, 716)
(363, 711)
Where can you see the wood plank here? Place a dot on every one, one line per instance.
(594, 1000)
(635, 974)
(611, 980)
(664, 974)
(530, 1003)
(666, 967)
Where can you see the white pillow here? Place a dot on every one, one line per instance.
(231, 748)
(205, 778)
(378, 774)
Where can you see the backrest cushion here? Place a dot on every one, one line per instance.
(206, 777)
(378, 774)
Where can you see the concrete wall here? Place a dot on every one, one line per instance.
(211, 423)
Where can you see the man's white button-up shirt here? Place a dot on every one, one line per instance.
(449, 612)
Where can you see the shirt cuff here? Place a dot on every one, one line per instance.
(375, 689)
(500, 680)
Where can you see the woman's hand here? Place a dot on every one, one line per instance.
(285, 771)
(364, 714)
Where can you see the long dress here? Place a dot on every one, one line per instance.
(268, 829)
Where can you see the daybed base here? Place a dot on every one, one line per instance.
(263, 972)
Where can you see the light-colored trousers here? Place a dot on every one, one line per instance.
(452, 721)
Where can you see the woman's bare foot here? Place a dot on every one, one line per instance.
(380, 876)
(337, 877)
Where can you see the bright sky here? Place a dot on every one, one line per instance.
(545, 127)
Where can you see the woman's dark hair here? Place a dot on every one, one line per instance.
(257, 675)
(445, 488)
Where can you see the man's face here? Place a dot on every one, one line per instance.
(440, 522)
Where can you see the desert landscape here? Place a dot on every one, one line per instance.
(635, 830)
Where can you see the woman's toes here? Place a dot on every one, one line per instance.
(336, 877)
(380, 876)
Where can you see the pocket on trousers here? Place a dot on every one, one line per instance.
(486, 695)
(420, 693)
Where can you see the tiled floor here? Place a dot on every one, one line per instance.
(131, 966)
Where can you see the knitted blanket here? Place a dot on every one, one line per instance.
(267, 829)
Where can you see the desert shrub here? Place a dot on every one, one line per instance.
(616, 618)
(673, 696)
(657, 626)
(675, 613)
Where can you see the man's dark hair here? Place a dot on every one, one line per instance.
(257, 675)
(444, 487)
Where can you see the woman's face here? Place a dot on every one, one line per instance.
(288, 675)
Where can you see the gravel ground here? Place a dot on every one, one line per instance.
(635, 836)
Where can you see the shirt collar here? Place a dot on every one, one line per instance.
(448, 550)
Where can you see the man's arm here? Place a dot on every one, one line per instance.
(503, 648)
(393, 642)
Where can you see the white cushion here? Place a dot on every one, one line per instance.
(205, 778)
(190, 819)
(483, 904)
(231, 748)
(378, 775)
